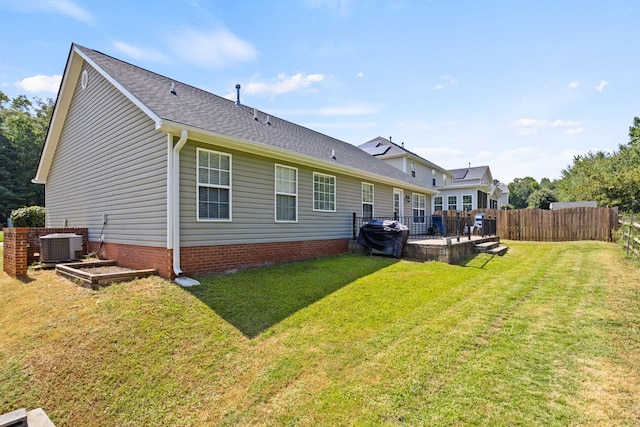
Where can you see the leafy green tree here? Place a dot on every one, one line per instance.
(541, 198)
(611, 179)
(520, 190)
(23, 128)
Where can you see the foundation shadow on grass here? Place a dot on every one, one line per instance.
(255, 299)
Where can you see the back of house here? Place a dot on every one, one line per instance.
(168, 176)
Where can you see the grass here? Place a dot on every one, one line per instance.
(1, 236)
(547, 335)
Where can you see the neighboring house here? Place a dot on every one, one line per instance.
(503, 199)
(471, 188)
(171, 177)
(458, 189)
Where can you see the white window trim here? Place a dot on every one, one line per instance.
(373, 197)
(471, 204)
(416, 197)
(335, 192)
(276, 193)
(400, 192)
(448, 204)
(199, 184)
(441, 203)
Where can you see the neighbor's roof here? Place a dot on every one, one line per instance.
(470, 174)
(174, 105)
(386, 148)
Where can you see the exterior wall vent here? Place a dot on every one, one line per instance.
(60, 247)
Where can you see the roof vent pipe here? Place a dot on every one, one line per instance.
(238, 95)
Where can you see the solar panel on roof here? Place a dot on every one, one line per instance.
(376, 151)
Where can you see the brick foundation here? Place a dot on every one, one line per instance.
(138, 257)
(209, 259)
(19, 242)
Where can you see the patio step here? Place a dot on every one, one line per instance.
(500, 250)
(492, 248)
(486, 246)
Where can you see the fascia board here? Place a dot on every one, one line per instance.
(282, 155)
(60, 110)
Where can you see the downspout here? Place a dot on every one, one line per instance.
(174, 214)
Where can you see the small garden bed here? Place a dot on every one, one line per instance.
(94, 274)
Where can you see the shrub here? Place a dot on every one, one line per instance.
(31, 216)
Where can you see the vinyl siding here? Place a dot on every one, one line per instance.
(253, 216)
(109, 160)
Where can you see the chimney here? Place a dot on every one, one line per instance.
(238, 95)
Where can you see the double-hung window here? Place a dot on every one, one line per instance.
(419, 207)
(286, 193)
(437, 203)
(367, 200)
(324, 192)
(467, 202)
(214, 185)
(452, 202)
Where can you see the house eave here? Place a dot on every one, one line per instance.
(283, 155)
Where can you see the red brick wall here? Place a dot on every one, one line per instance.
(21, 245)
(139, 257)
(209, 259)
(194, 260)
(14, 259)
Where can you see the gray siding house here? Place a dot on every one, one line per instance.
(168, 176)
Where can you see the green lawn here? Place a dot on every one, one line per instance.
(547, 335)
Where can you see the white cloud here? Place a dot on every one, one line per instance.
(601, 86)
(437, 87)
(529, 127)
(40, 83)
(360, 74)
(138, 52)
(283, 84)
(69, 8)
(574, 85)
(213, 49)
(342, 110)
(65, 7)
(341, 7)
(340, 125)
(450, 79)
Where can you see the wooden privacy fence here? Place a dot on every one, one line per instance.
(560, 225)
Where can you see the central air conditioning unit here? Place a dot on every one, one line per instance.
(60, 247)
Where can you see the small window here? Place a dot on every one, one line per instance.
(214, 185)
(286, 193)
(467, 203)
(413, 169)
(367, 200)
(444, 179)
(324, 192)
(419, 207)
(452, 203)
(437, 203)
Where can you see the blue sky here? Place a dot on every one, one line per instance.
(521, 86)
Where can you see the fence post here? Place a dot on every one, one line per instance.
(353, 225)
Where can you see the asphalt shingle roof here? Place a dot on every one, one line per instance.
(197, 108)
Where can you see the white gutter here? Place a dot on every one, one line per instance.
(173, 214)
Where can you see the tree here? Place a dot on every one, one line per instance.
(541, 198)
(23, 128)
(611, 179)
(520, 190)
